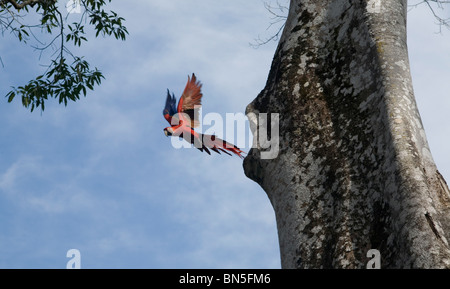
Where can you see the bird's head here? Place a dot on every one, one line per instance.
(168, 131)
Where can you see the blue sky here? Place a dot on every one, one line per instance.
(100, 176)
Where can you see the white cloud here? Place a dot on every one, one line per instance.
(16, 171)
(32, 183)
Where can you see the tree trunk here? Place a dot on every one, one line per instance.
(354, 171)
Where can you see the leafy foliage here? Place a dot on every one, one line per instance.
(65, 80)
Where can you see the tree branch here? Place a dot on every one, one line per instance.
(21, 5)
(440, 4)
(277, 17)
(63, 79)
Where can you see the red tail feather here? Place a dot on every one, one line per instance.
(216, 144)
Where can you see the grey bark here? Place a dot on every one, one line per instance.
(354, 171)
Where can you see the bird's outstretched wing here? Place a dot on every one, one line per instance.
(170, 109)
(191, 100)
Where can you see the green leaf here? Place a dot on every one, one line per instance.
(63, 81)
(11, 96)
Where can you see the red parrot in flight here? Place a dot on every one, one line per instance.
(184, 118)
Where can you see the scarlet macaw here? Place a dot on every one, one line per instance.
(185, 117)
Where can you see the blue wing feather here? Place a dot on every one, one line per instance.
(170, 107)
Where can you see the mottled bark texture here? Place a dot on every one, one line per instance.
(354, 170)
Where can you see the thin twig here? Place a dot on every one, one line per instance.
(276, 18)
(440, 5)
